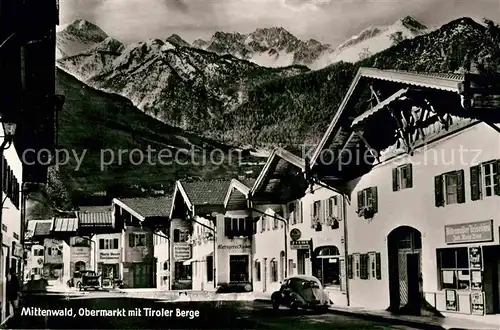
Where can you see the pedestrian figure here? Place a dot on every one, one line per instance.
(13, 289)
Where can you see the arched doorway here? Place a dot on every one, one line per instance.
(404, 251)
(326, 265)
(282, 265)
(79, 266)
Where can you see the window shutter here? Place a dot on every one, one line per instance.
(378, 270)
(497, 178)
(374, 199)
(115, 243)
(322, 209)
(363, 272)
(254, 225)
(409, 173)
(349, 267)
(460, 187)
(360, 200)
(438, 191)
(227, 226)
(312, 214)
(131, 240)
(300, 215)
(475, 182)
(101, 244)
(395, 181)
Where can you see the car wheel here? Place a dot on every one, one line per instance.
(293, 305)
(276, 305)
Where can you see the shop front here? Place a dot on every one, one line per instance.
(108, 260)
(468, 270)
(234, 264)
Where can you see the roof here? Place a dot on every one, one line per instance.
(94, 219)
(440, 81)
(148, 206)
(206, 192)
(278, 179)
(242, 188)
(65, 225)
(96, 208)
(248, 182)
(42, 228)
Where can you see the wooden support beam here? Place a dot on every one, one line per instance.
(372, 150)
(401, 131)
(374, 94)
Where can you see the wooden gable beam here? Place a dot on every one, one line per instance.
(372, 150)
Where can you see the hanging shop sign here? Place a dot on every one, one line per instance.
(475, 260)
(451, 300)
(477, 303)
(295, 234)
(300, 245)
(469, 232)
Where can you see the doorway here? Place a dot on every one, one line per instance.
(405, 279)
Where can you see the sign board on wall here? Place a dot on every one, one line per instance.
(182, 252)
(109, 255)
(295, 234)
(77, 252)
(234, 247)
(475, 260)
(300, 245)
(477, 303)
(469, 232)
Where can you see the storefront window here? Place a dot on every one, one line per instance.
(326, 265)
(182, 272)
(454, 268)
(109, 271)
(238, 268)
(257, 271)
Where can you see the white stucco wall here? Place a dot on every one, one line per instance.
(415, 207)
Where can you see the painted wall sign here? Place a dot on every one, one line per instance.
(300, 245)
(295, 234)
(109, 255)
(234, 247)
(469, 232)
(182, 252)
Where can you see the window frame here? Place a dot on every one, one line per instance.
(456, 269)
(492, 165)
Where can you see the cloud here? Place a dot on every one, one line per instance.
(179, 5)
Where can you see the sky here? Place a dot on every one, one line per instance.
(328, 21)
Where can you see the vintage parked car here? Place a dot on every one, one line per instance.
(89, 280)
(301, 291)
(76, 280)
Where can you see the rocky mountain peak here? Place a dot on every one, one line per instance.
(274, 37)
(82, 27)
(412, 24)
(177, 40)
(110, 44)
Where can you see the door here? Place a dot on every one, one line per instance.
(301, 262)
(140, 280)
(264, 277)
(413, 271)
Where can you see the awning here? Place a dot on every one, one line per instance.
(188, 262)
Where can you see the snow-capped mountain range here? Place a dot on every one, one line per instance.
(269, 47)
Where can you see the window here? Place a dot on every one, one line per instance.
(80, 241)
(357, 265)
(317, 216)
(263, 221)
(182, 272)
(53, 251)
(238, 227)
(165, 265)
(109, 271)
(181, 235)
(38, 252)
(108, 243)
(295, 212)
(326, 265)
(453, 265)
(290, 267)
(368, 198)
(316, 210)
(449, 188)
(274, 270)
(137, 239)
(402, 177)
(372, 266)
(257, 271)
(238, 268)
(484, 180)
(210, 268)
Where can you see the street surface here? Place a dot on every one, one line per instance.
(117, 311)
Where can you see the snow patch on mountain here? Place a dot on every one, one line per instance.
(371, 41)
(77, 37)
